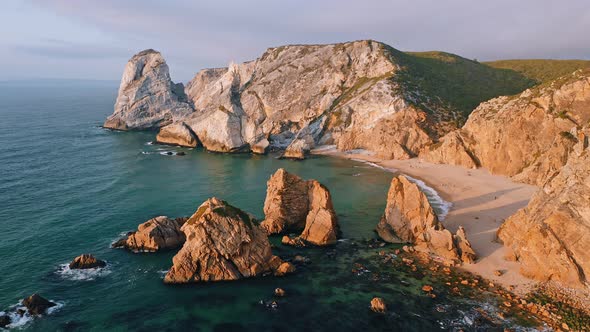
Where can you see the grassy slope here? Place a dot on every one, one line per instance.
(452, 86)
(540, 70)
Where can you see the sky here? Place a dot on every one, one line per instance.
(93, 39)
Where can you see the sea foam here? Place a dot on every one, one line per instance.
(65, 272)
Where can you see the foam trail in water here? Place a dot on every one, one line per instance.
(82, 274)
(440, 206)
(18, 321)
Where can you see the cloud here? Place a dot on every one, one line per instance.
(197, 34)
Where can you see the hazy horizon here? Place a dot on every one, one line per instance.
(92, 40)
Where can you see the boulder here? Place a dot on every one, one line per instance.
(550, 237)
(378, 305)
(159, 233)
(223, 243)
(294, 204)
(409, 218)
(4, 320)
(87, 261)
(37, 305)
(177, 134)
(148, 99)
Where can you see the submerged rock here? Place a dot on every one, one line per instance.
(223, 243)
(147, 97)
(37, 305)
(86, 261)
(159, 233)
(177, 134)
(378, 305)
(4, 321)
(294, 204)
(409, 218)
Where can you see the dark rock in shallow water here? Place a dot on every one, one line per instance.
(4, 320)
(181, 153)
(37, 305)
(86, 261)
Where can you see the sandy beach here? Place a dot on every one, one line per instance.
(481, 202)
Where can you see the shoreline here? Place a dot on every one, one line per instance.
(480, 203)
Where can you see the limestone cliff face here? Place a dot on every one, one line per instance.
(528, 136)
(409, 218)
(551, 236)
(148, 99)
(354, 95)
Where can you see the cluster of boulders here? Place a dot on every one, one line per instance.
(409, 218)
(294, 205)
(222, 242)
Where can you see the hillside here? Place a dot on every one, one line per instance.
(460, 82)
(540, 70)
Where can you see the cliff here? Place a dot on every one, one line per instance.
(356, 95)
(528, 136)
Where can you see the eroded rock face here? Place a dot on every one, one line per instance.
(148, 99)
(159, 233)
(551, 236)
(223, 243)
(37, 305)
(528, 136)
(409, 218)
(177, 134)
(293, 204)
(87, 261)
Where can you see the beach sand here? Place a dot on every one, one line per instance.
(481, 202)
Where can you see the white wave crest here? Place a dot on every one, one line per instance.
(65, 272)
(18, 321)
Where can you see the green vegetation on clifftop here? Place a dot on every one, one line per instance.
(540, 70)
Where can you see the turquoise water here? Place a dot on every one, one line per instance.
(70, 187)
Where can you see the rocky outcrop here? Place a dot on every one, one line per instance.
(87, 261)
(409, 218)
(159, 233)
(551, 236)
(528, 136)
(148, 99)
(223, 243)
(355, 95)
(177, 134)
(378, 305)
(293, 204)
(37, 305)
(4, 320)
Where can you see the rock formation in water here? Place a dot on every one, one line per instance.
(528, 136)
(87, 261)
(159, 233)
(177, 134)
(37, 305)
(355, 95)
(4, 320)
(293, 204)
(148, 99)
(551, 236)
(223, 243)
(378, 305)
(409, 218)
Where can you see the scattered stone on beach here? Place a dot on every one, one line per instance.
(409, 218)
(280, 292)
(159, 233)
(87, 261)
(498, 273)
(37, 305)
(378, 305)
(294, 204)
(223, 243)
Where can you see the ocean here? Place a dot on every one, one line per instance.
(68, 186)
